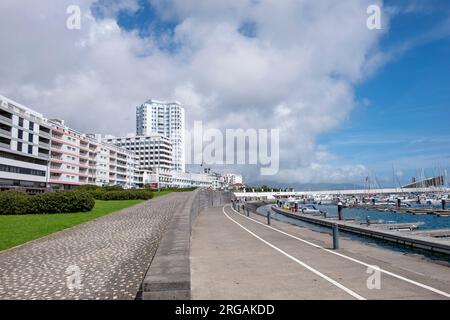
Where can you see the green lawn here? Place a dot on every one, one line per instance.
(18, 229)
(161, 193)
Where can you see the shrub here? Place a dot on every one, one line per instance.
(179, 189)
(46, 203)
(116, 193)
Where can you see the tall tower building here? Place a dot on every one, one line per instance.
(167, 119)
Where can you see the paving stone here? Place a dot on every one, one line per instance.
(112, 253)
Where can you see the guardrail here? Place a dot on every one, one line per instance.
(405, 239)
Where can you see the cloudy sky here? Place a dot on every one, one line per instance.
(348, 101)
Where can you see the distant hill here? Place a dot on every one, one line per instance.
(307, 186)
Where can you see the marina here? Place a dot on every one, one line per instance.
(398, 233)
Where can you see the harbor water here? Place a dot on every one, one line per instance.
(430, 222)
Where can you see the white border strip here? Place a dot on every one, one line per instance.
(337, 284)
(445, 294)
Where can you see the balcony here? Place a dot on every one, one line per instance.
(5, 132)
(5, 119)
(44, 134)
(57, 132)
(44, 145)
(5, 145)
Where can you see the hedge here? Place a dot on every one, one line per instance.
(179, 189)
(47, 203)
(116, 193)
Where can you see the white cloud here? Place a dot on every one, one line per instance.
(297, 73)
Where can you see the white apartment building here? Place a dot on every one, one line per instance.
(191, 179)
(154, 156)
(167, 119)
(231, 179)
(217, 181)
(24, 146)
(115, 165)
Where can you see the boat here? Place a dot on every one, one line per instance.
(309, 209)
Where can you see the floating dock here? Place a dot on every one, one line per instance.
(416, 211)
(402, 234)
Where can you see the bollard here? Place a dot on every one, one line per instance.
(368, 220)
(443, 204)
(340, 207)
(268, 217)
(248, 212)
(335, 236)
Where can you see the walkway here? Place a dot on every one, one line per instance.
(234, 257)
(112, 254)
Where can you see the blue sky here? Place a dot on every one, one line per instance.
(406, 122)
(293, 65)
(402, 117)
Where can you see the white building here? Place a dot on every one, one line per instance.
(232, 179)
(24, 146)
(115, 165)
(217, 181)
(191, 179)
(153, 154)
(167, 119)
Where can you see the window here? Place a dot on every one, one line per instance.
(20, 122)
(19, 146)
(31, 126)
(20, 134)
(12, 169)
(30, 149)
(30, 137)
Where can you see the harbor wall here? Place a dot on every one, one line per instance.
(169, 275)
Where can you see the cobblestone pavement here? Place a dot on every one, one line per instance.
(106, 258)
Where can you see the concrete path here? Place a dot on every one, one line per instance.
(111, 253)
(233, 257)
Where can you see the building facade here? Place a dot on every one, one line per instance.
(24, 146)
(77, 159)
(153, 155)
(232, 179)
(167, 119)
(191, 179)
(36, 152)
(115, 165)
(70, 156)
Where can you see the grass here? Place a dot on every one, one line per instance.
(18, 229)
(161, 193)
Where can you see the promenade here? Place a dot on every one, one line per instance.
(113, 254)
(234, 257)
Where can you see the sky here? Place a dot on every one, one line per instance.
(349, 101)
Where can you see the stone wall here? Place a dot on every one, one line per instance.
(169, 275)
